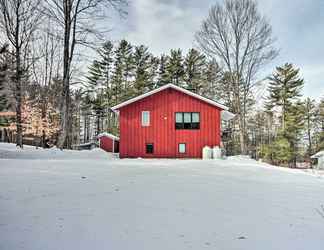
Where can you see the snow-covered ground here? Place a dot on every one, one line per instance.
(52, 199)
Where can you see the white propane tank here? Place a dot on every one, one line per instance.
(217, 152)
(207, 153)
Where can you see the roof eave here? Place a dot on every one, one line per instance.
(170, 85)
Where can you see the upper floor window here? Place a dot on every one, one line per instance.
(145, 118)
(187, 120)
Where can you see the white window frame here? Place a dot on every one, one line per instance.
(145, 123)
(185, 148)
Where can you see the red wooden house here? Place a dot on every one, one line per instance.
(169, 122)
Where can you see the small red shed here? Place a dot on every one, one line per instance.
(169, 122)
(109, 142)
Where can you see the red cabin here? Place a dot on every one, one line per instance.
(169, 122)
(109, 142)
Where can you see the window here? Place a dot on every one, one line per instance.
(145, 118)
(187, 120)
(149, 148)
(179, 121)
(182, 148)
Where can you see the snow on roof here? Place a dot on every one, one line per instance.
(109, 135)
(318, 154)
(226, 115)
(137, 98)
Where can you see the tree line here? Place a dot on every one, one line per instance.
(122, 71)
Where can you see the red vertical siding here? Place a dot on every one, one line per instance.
(162, 132)
(106, 143)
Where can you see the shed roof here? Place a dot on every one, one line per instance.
(318, 154)
(111, 136)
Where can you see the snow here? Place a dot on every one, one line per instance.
(52, 199)
(318, 154)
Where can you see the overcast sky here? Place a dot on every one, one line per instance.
(298, 26)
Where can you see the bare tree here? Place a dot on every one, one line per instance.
(240, 39)
(45, 68)
(76, 19)
(19, 20)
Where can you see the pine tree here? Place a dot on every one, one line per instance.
(123, 69)
(284, 87)
(106, 64)
(3, 96)
(94, 76)
(141, 69)
(105, 101)
(213, 84)
(153, 73)
(175, 67)
(284, 92)
(163, 75)
(4, 78)
(294, 126)
(193, 73)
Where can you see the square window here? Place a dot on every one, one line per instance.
(182, 148)
(149, 148)
(179, 117)
(195, 117)
(179, 121)
(145, 118)
(186, 117)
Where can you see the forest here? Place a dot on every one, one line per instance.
(48, 97)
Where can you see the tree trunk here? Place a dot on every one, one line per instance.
(18, 94)
(65, 108)
(242, 137)
(309, 137)
(65, 119)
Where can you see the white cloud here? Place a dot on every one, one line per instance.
(298, 25)
(163, 25)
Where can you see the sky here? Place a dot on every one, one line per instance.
(298, 26)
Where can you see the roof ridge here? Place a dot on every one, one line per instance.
(169, 85)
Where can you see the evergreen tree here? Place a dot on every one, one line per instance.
(163, 75)
(128, 73)
(153, 73)
(141, 69)
(123, 66)
(4, 78)
(284, 92)
(194, 65)
(175, 67)
(284, 87)
(94, 77)
(106, 64)
(213, 86)
(3, 96)
(97, 90)
(293, 128)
